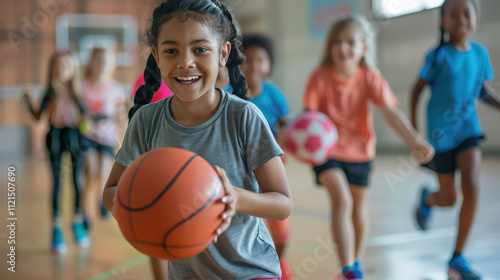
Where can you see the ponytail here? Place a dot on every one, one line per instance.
(145, 93)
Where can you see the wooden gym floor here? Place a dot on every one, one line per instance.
(396, 250)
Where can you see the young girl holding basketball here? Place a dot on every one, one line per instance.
(190, 41)
(103, 98)
(65, 112)
(457, 71)
(341, 88)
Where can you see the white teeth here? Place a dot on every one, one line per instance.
(188, 78)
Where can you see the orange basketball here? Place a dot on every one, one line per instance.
(169, 203)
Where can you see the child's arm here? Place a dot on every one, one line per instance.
(109, 193)
(274, 202)
(489, 95)
(415, 95)
(421, 149)
(26, 99)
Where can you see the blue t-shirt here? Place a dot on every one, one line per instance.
(456, 80)
(228, 88)
(272, 103)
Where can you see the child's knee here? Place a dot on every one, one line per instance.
(449, 199)
(342, 203)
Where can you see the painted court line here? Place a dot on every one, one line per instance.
(120, 271)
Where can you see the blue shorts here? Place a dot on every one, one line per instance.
(87, 144)
(356, 173)
(446, 162)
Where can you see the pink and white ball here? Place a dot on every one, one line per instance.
(311, 137)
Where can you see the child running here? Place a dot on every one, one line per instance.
(65, 113)
(457, 71)
(342, 87)
(190, 41)
(103, 98)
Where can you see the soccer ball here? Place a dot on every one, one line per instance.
(311, 137)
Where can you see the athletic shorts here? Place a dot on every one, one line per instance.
(446, 162)
(356, 173)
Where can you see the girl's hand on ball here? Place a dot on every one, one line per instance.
(115, 201)
(230, 200)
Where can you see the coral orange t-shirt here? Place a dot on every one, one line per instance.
(346, 103)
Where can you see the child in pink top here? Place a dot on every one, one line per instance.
(103, 98)
(341, 88)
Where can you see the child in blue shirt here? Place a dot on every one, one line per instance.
(457, 72)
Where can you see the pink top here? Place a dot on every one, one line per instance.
(162, 93)
(103, 101)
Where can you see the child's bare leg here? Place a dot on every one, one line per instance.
(468, 162)
(341, 213)
(360, 218)
(447, 194)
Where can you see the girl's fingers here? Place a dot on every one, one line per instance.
(223, 226)
(227, 199)
(222, 175)
(228, 214)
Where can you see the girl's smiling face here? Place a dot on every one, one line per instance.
(348, 48)
(459, 19)
(189, 56)
(102, 64)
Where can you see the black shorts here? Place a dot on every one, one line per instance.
(446, 162)
(87, 144)
(356, 173)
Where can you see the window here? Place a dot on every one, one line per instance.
(395, 8)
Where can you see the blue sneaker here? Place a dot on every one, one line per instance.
(58, 244)
(352, 273)
(82, 239)
(423, 211)
(357, 265)
(461, 269)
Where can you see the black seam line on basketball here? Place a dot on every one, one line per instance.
(188, 218)
(163, 191)
(130, 193)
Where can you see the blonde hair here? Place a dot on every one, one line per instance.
(74, 83)
(368, 34)
(95, 52)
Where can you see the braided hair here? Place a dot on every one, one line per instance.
(212, 13)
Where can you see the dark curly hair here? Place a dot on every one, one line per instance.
(262, 41)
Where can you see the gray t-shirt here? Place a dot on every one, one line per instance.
(238, 139)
